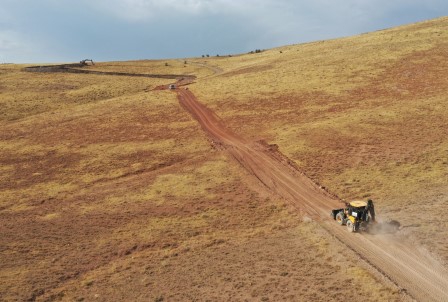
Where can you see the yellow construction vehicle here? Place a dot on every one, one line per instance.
(357, 215)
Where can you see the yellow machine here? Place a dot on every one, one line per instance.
(357, 215)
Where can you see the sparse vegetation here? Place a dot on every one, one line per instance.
(110, 189)
(361, 115)
(255, 51)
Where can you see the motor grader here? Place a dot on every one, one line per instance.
(357, 215)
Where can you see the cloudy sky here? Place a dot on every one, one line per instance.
(105, 30)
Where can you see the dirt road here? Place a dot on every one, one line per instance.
(408, 266)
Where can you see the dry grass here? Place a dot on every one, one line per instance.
(120, 195)
(365, 116)
(76, 144)
(177, 67)
(26, 94)
(66, 140)
(332, 67)
(111, 190)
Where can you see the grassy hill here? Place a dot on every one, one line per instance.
(365, 116)
(110, 190)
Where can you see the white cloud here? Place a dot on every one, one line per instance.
(56, 28)
(9, 41)
(273, 22)
(10, 45)
(146, 10)
(18, 48)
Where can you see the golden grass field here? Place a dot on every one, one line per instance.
(110, 191)
(365, 116)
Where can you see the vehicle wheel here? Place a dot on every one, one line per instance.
(350, 226)
(340, 218)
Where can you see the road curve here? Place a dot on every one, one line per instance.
(408, 266)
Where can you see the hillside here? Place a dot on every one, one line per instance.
(364, 116)
(111, 190)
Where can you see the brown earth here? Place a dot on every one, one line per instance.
(365, 116)
(111, 191)
(413, 270)
(118, 195)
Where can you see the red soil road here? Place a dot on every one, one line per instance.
(408, 266)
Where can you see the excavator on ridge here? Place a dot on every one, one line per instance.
(84, 62)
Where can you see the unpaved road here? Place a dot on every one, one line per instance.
(407, 265)
(78, 68)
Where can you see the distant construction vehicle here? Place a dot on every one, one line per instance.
(357, 215)
(84, 62)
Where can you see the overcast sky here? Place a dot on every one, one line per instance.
(105, 30)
